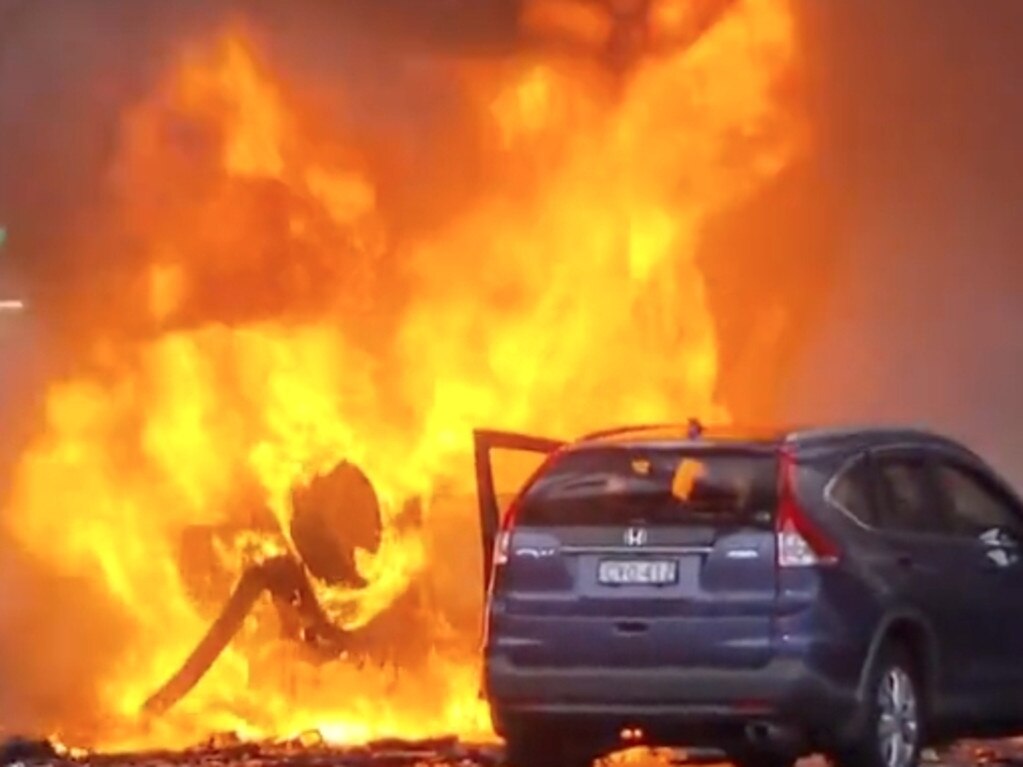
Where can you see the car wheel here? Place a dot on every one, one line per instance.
(534, 747)
(893, 730)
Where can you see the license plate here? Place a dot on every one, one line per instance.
(626, 572)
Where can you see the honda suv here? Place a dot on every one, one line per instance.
(855, 592)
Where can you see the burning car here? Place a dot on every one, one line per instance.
(336, 515)
(299, 307)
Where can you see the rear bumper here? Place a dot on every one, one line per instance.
(785, 690)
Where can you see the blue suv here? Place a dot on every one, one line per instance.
(854, 592)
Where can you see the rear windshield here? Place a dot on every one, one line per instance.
(622, 486)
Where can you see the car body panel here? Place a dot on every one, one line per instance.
(485, 442)
(734, 638)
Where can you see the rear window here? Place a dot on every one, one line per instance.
(852, 492)
(623, 486)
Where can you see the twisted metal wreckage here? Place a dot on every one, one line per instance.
(343, 494)
(324, 549)
(339, 512)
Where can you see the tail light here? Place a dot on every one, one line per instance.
(800, 542)
(501, 545)
(502, 542)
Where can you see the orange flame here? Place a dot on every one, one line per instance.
(566, 297)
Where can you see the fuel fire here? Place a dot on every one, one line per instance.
(280, 326)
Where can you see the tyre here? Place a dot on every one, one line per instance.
(893, 731)
(542, 747)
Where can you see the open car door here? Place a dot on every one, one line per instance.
(486, 441)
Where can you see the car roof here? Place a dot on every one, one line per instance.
(844, 436)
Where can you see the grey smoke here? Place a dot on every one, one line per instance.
(922, 113)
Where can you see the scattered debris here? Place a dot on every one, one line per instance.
(971, 753)
(288, 583)
(696, 756)
(24, 750)
(335, 514)
(309, 749)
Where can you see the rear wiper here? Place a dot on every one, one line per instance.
(571, 487)
(634, 488)
(728, 515)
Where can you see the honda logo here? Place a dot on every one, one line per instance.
(635, 536)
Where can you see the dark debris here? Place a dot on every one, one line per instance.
(306, 750)
(23, 750)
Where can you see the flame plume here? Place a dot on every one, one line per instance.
(278, 326)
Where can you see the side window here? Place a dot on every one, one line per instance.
(976, 504)
(851, 491)
(905, 484)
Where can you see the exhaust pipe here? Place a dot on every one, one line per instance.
(772, 737)
(758, 733)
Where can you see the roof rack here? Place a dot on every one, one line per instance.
(859, 429)
(622, 430)
(694, 429)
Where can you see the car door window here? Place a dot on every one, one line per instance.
(909, 500)
(976, 503)
(851, 491)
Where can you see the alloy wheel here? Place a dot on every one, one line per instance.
(898, 722)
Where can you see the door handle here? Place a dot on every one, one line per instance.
(904, 559)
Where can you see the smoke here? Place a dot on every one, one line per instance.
(918, 119)
(65, 70)
(69, 71)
